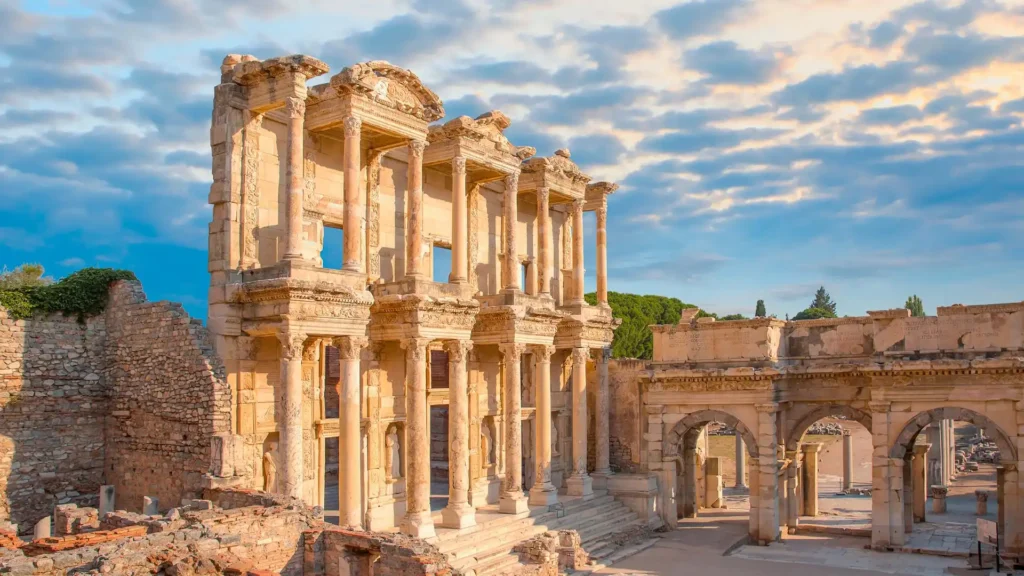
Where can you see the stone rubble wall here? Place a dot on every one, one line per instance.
(130, 398)
(332, 551)
(52, 408)
(168, 398)
(624, 414)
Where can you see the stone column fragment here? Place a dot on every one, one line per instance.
(458, 513)
(513, 501)
(350, 349)
(355, 205)
(579, 482)
(290, 421)
(414, 222)
(295, 108)
(543, 493)
(417, 520)
(938, 494)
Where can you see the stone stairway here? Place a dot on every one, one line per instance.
(486, 549)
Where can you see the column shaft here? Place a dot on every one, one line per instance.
(602, 465)
(741, 461)
(919, 480)
(355, 211)
(579, 483)
(544, 239)
(417, 520)
(577, 251)
(602, 253)
(792, 490)
(511, 217)
(350, 471)
(458, 513)
(414, 220)
(296, 111)
(811, 479)
(847, 460)
(513, 501)
(460, 235)
(291, 416)
(543, 493)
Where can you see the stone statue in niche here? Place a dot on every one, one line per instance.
(270, 468)
(392, 455)
(554, 437)
(487, 442)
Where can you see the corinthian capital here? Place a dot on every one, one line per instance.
(580, 355)
(459, 165)
(415, 348)
(512, 351)
(295, 107)
(577, 207)
(543, 194)
(292, 344)
(416, 148)
(542, 353)
(512, 180)
(350, 347)
(458, 350)
(353, 126)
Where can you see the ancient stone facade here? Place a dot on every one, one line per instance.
(365, 153)
(771, 380)
(130, 398)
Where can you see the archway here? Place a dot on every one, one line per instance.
(680, 446)
(828, 475)
(950, 503)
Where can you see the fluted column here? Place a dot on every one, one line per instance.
(458, 513)
(295, 108)
(544, 239)
(543, 493)
(602, 462)
(579, 483)
(291, 412)
(460, 217)
(417, 520)
(577, 251)
(414, 222)
(355, 210)
(602, 253)
(350, 503)
(513, 501)
(511, 217)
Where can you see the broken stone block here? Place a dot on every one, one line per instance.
(150, 505)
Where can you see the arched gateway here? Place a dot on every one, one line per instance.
(894, 374)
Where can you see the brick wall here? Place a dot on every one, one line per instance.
(168, 397)
(52, 406)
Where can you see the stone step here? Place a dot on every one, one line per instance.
(570, 507)
(594, 532)
(525, 528)
(502, 564)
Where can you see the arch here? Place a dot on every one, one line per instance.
(824, 411)
(695, 419)
(918, 423)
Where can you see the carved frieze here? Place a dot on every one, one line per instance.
(373, 217)
(251, 191)
(391, 87)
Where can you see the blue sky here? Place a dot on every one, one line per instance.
(764, 147)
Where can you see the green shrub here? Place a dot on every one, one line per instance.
(82, 294)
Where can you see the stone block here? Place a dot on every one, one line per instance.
(150, 505)
(106, 499)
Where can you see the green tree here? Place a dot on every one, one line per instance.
(915, 306)
(759, 311)
(815, 313)
(633, 338)
(824, 301)
(733, 317)
(24, 276)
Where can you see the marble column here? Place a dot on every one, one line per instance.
(543, 493)
(290, 420)
(602, 461)
(350, 502)
(414, 212)
(847, 460)
(295, 109)
(602, 253)
(355, 206)
(460, 226)
(919, 480)
(792, 490)
(741, 461)
(577, 252)
(544, 239)
(458, 513)
(810, 478)
(510, 271)
(512, 500)
(417, 520)
(579, 482)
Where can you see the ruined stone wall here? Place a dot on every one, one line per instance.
(168, 397)
(624, 419)
(52, 408)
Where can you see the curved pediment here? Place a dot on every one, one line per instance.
(559, 163)
(390, 86)
(487, 127)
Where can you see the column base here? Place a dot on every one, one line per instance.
(580, 485)
(458, 516)
(600, 479)
(544, 495)
(418, 524)
(514, 503)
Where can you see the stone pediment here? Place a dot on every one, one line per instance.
(487, 130)
(390, 86)
(247, 70)
(558, 171)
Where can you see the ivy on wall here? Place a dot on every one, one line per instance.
(83, 294)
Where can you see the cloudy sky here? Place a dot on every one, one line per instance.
(764, 147)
